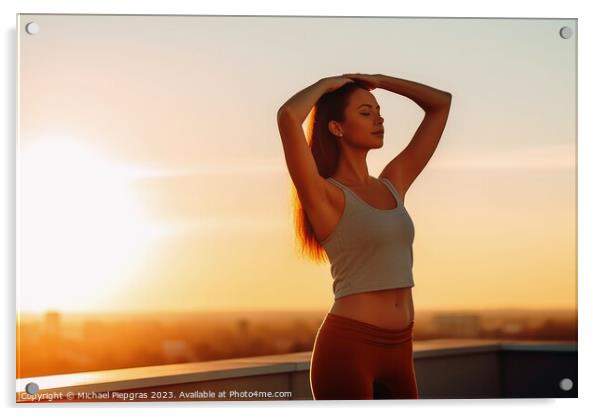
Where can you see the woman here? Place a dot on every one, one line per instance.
(363, 349)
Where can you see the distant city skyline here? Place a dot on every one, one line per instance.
(81, 344)
(151, 175)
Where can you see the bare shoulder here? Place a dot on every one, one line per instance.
(334, 194)
(398, 183)
(333, 201)
(325, 213)
(323, 200)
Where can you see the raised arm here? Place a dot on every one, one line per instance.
(300, 162)
(408, 164)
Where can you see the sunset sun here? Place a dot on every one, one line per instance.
(80, 226)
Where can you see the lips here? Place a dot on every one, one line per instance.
(379, 132)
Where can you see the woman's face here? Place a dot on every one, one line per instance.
(363, 126)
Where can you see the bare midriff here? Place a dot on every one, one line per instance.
(389, 308)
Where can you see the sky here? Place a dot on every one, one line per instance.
(151, 175)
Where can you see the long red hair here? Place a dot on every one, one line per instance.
(325, 150)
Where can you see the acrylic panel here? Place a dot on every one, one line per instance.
(163, 253)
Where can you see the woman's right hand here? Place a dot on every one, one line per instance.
(334, 83)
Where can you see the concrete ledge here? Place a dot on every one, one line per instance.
(269, 370)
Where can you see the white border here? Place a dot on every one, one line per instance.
(588, 171)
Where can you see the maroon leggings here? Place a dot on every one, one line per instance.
(354, 360)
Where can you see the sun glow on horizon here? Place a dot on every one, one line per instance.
(81, 227)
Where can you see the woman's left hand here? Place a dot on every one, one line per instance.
(371, 81)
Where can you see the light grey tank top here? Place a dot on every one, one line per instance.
(370, 248)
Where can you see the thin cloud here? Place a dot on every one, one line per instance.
(227, 168)
(544, 157)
